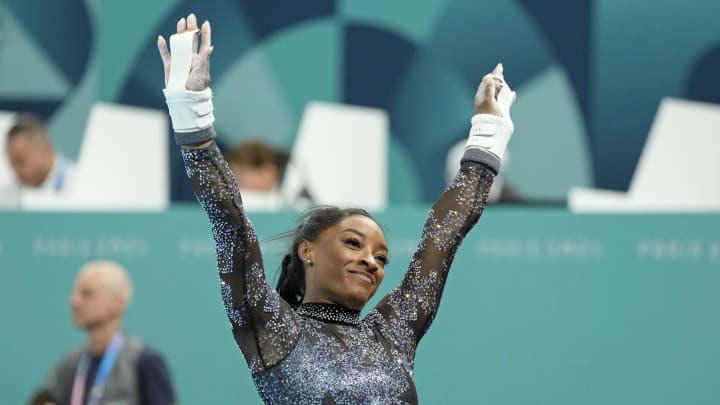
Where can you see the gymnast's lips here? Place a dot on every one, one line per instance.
(364, 274)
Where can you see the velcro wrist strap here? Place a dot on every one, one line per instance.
(490, 133)
(191, 111)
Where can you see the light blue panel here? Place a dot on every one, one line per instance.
(431, 108)
(414, 20)
(567, 309)
(475, 35)
(25, 70)
(123, 29)
(67, 126)
(431, 102)
(639, 47)
(306, 63)
(402, 176)
(250, 103)
(548, 152)
(68, 123)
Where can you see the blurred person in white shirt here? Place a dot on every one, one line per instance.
(36, 166)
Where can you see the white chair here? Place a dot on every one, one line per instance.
(340, 157)
(122, 164)
(678, 170)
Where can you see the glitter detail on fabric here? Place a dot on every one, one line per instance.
(237, 317)
(324, 354)
(330, 313)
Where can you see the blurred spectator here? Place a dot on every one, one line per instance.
(111, 367)
(258, 170)
(35, 165)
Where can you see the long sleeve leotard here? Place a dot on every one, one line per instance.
(322, 353)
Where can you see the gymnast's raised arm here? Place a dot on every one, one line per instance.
(263, 324)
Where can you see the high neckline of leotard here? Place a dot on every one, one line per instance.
(330, 313)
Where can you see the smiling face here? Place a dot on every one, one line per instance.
(346, 264)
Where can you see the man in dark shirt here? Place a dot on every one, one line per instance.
(112, 367)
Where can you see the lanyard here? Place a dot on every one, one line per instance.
(101, 376)
(60, 176)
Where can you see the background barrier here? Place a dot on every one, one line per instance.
(541, 306)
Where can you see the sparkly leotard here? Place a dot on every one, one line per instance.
(325, 354)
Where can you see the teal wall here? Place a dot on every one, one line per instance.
(541, 307)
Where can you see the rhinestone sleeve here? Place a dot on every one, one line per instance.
(407, 311)
(263, 324)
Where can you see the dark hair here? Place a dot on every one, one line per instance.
(256, 154)
(26, 124)
(291, 283)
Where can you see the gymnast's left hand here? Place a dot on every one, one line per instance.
(494, 95)
(199, 76)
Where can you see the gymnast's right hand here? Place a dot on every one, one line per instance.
(199, 74)
(187, 80)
